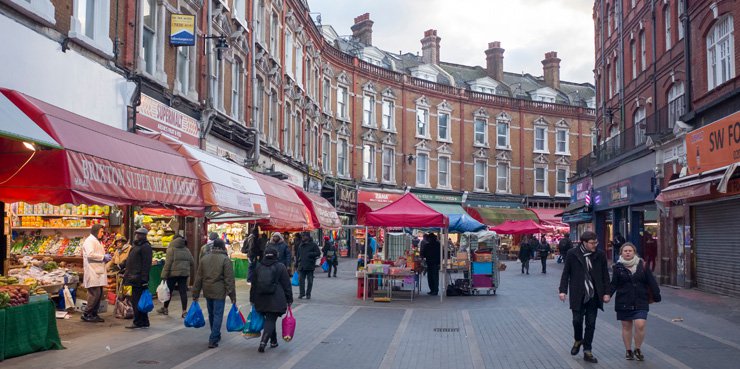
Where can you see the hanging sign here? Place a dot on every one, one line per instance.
(182, 28)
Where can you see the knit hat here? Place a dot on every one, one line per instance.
(212, 236)
(326, 238)
(271, 252)
(219, 244)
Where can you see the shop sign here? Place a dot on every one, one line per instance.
(345, 198)
(633, 190)
(314, 185)
(715, 145)
(382, 198)
(159, 117)
(580, 189)
(182, 28)
(431, 197)
(100, 176)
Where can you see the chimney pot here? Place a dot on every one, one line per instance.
(430, 47)
(495, 61)
(362, 30)
(551, 69)
(361, 18)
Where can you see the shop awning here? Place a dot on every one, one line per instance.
(519, 227)
(16, 125)
(446, 208)
(689, 188)
(227, 186)
(496, 216)
(571, 208)
(549, 217)
(98, 164)
(323, 214)
(408, 211)
(287, 211)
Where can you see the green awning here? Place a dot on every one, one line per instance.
(16, 125)
(496, 216)
(446, 209)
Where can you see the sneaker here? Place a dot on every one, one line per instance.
(301, 297)
(184, 314)
(588, 356)
(576, 348)
(212, 344)
(629, 355)
(98, 319)
(638, 355)
(273, 344)
(88, 319)
(163, 310)
(262, 347)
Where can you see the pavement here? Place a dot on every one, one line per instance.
(523, 326)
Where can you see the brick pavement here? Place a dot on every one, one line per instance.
(523, 326)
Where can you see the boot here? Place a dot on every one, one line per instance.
(163, 310)
(262, 347)
(588, 356)
(576, 348)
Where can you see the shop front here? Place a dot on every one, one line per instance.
(345, 202)
(578, 214)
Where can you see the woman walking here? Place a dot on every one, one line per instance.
(271, 293)
(176, 271)
(635, 287)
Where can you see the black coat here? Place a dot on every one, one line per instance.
(278, 301)
(632, 289)
(525, 252)
(430, 251)
(330, 246)
(307, 254)
(564, 245)
(572, 281)
(138, 264)
(544, 249)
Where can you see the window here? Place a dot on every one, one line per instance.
(236, 91)
(443, 177)
(90, 24)
(259, 21)
(643, 51)
(639, 125)
(540, 139)
(389, 159)
(667, 20)
(422, 122)
(480, 132)
(443, 126)
(43, 9)
(297, 135)
(502, 135)
(342, 101)
(388, 109)
(186, 64)
(240, 11)
(561, 141)
(299, 64)
(616, 14)
(502, 177)
(258, 113)
(315, 146)
(720, 53)
(325, 153)
(289, 68)
(149, 35)
(481, 168)
(608, 21)
(562, 182)
(342, 157)
(217, 89)
(633, 3)
(633, 48)
(617, 77)
(287, 119)
(540, 180)
(368, 162)
(679, 24)
(326, 90)
(422, 169)
(274, 37)
(316, 83)
(309, 80)
(368, 111)
(272, 132)
(675, 103)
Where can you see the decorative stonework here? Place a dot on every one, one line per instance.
(481, 153)
(481, 113)
(344, 129)
(503, 116)
(422, 102)
(389, 94)
(562, 123)
(369, 87)
(503, 155)
(423, 145)
(444, 106)
(541, 159)
(343, 79)
(563, 160)
(370, 136)
(444, 149)
(390, 139)
(541, 122)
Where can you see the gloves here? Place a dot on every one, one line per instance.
(233, 300)
(107, 258)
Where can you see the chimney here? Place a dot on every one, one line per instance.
(362, 30)
(430, 47)
(495, 61)
(551, 69)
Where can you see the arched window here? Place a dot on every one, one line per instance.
(675, 103)
(720, 53)
(639, 126)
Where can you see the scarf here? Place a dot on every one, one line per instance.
(630, 264)
(587, 279)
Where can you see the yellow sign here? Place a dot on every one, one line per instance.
(182, 30)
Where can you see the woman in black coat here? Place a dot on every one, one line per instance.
(271, 293)
(634, 285)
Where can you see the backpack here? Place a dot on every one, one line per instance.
(266, 280)
(247, 245)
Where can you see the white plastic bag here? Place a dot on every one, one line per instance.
(68, 301)
(163, 293)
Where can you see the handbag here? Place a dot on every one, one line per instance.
(289, 325)
(650, 297)
(123, 308)
(145, 302)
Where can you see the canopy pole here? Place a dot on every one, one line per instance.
(364, 257)
(442, 271)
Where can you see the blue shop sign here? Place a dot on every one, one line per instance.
(633, 190)
(577, 218)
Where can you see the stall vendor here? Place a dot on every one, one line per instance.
(118, 262)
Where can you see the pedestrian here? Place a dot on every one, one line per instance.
(330, 253)
(372, 247)
(544, 250)
(564, 245)
(651, 250)
(215, 278)
(430, 250)
(278, 242)
(271, 294)
(205, 249)
(616, 245)
(306, 255)
(137, 275)
(525, 253)
(176, 271)
(586, 278)
(634, 284)
(117, 263)
(93, 263)
(247, 246)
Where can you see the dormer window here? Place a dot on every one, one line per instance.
(486, 85)
(545, 94)
(425, 72)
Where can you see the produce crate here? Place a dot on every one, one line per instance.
(483, 257)
(484, 281)
(482, 267)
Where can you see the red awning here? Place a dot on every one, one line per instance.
(368, 201)
(548, 217)
(408, 211)
(519, 227)
(323, 214)
(287, 212)
(99, 164)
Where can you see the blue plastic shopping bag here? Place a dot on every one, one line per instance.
(295, 281)
(254, 324)
(325, 265)
(194, 318)
(145, 302)
(235, 320)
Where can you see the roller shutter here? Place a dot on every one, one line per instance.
(717, 247)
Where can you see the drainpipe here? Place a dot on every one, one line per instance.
(620, 65)
(687, 55)
(355, 63)
(256, 149)
(603, 71)
(462, 141)
(403, 130)
(655, 64)
(521, 144)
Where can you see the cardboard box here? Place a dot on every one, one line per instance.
(81, 305)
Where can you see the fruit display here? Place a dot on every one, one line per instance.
(35, 276)
(235, 232)
(13, 295)
(160, 232)
(22, 208)
(158, 257)
(6, 281)
(36, 244)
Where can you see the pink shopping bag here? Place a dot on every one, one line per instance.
(288, 326)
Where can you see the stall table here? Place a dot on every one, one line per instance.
(155, 277)
(28, 328)
(241, 267)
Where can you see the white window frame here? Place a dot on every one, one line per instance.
(443, 172)
(639, 119)
(368, 162)
(326, 92)
(218, 83)
(157, 48)
(675, 103)
(679, 24)
(99, 37)
(309, 80)
(315, 137)
(297, 134)
(425, 168)
(633, 48)
(720, 52)
(342, 156)
(299, 64)
(259, 21)
(342, 101)
(388, 165)
(643, 52)
(274, 33)
(388, 108)
(477, 175)
(545, 191)
(633, 3)
(368, 111)
(476, 133)
(273, 110)
(237, 97)
(545, 147)
(506, 177)
(667, 24)
(507, 137)
(565, 143)
(609, 21)
(287, 124)
(448, 127)
(422, 122)
(186, 88)
(239, 12)
(289, 67)
(43, 10)
(326, 153)
(566, 172)
(259, 114)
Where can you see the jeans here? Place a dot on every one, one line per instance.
(525, 266)
(544, 264)
(182, 288)
(587, 311)
(141, 319)
(433, 278)
(304, 275)
(331, 265)
(270, 328)
(94, 295)
(215, 318)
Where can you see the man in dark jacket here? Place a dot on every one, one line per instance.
(306, 256)
(586, 278)
(138, 264)
(273, 303)
(619, 240)
(525, 253)
(330, 253)
(544, 250)
(430, 250)
(215, 277)
(564, 245)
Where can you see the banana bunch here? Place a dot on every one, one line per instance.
(7, 281)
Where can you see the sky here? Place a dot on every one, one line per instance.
(527, 29)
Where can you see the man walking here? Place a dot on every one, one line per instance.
(215, 277)
(544, 250)
(138, 264)
(564, 245)
(525, 252)
(306, 256)
(93, 262)
(330, 253)
(430, 250)
(586, 278)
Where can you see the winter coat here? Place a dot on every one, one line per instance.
(138, 264)
(283, 251)
(93, 264)
(564, 245)
(544, 249)
(205, 249)
(278, 301)
(632, 289)
(257, 250)
(330, 248)
(430, 251)
(215, 276)
(525, 252)
(572, 281)
(307, 254)
(118, 262)
(179, 260)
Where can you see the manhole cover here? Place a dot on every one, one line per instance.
(447, 329)
(148, 362)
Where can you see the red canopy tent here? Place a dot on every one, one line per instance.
(519, 227)
(323, 214)
(408, 211)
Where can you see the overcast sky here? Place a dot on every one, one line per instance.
(526, 28)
